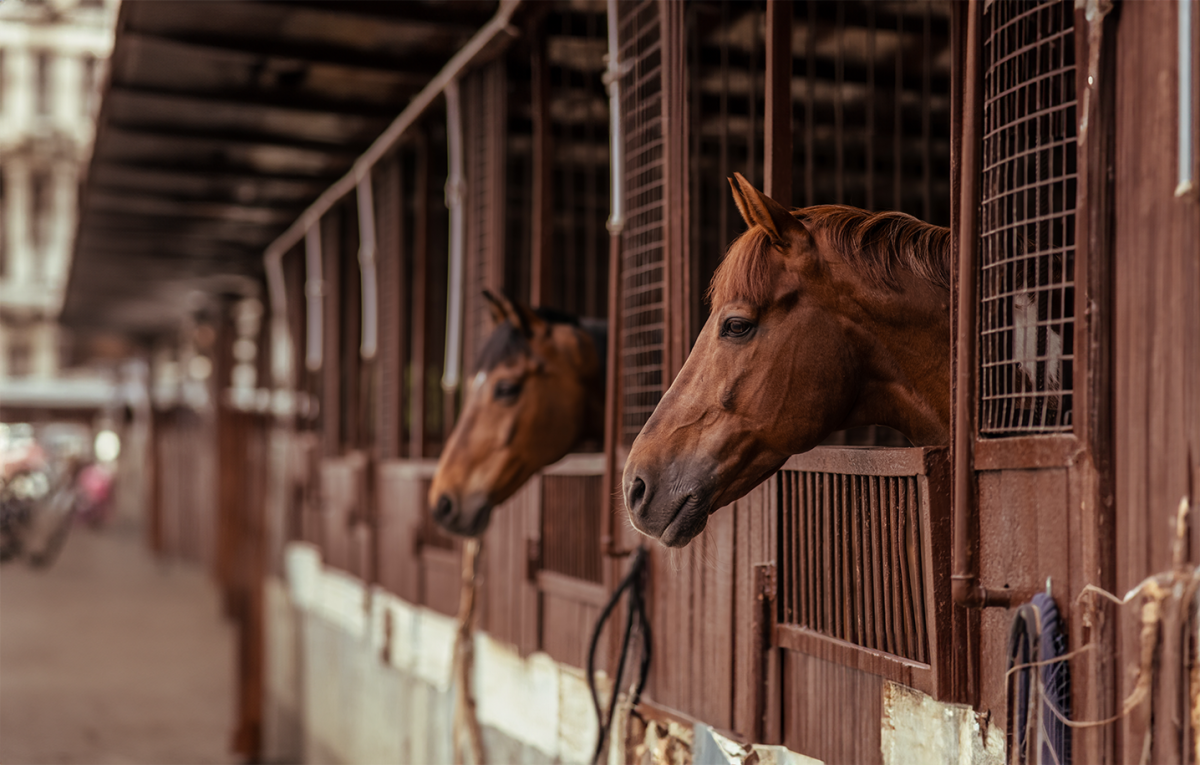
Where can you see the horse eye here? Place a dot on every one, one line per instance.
(735, 327)
(507, 389)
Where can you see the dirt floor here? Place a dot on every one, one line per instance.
(111, 657)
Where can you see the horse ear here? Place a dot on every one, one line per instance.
(496, 306)
(514, 312)
(530, 323)
(758, 209)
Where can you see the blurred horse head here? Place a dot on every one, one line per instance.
(538, 393)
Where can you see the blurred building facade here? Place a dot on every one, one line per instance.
(53, 57)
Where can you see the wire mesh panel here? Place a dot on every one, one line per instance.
(642, 268)
(484, 112)
(571, 506)
(1027, 219)
(852, 548)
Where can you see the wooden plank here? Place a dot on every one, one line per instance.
(777, 137)
(398, 570)
(845, 726)
(1026, 452)
(542, 261)
(865, 460)
(1156, 355)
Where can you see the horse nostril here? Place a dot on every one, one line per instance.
(637, 492)
(442, 510)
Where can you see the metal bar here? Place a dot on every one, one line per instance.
(1187, 184)
(314, 290)
(455, 189)
(612, 80)
(367, 267)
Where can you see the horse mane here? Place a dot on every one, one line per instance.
(878, 244)
(508, 341)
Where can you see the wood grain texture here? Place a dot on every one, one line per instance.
(1157, 346)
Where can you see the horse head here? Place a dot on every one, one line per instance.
(537, 394)
(822, 318)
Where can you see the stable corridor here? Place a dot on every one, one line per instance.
(113, 657)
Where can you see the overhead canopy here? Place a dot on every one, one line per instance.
(221, 122)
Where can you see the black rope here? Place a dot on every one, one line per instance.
(635, 583)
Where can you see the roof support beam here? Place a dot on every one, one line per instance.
(265, 100)
(416, 66)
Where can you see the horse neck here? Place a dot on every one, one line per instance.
(908, 366)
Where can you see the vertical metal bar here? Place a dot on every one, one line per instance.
(366, 265)
(777, 142)
(314, 290)
(455, 189)
(1187, 183)
(612, 80)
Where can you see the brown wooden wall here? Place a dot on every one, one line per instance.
(1156, 342)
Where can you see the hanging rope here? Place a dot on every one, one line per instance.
(466, 724)
(635, 583)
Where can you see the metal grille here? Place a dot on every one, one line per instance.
(852, 559)
(571, 525)
(1027, 219)
(871, 110)
(642, 267)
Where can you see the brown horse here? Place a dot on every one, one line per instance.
(538, 394)
(823, 318)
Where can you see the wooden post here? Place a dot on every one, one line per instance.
(777, 143)
(541, 290)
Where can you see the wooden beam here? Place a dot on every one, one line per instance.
(260, 99)
(416, 66)
(777, 142)
(541, 271)
(134, 132)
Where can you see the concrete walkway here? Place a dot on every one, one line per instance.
(111, 657)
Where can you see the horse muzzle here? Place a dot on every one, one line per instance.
(467, 518)
(672, 509)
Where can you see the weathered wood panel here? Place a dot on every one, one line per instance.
(342, 514)
(509, 607)
(831, 712)
(1157, 344)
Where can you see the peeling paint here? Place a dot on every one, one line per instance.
(916, 728)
